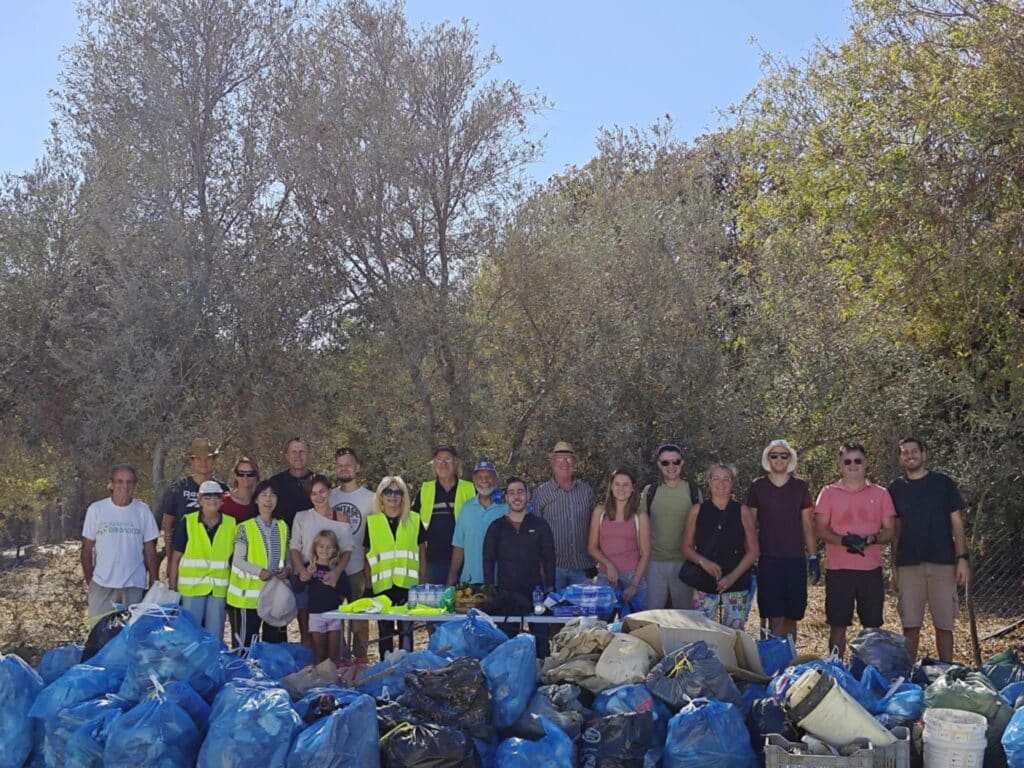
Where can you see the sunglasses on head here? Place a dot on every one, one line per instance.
(392, 492)
(848, 462)
(673, 462)
(243, 473)
(778, 455)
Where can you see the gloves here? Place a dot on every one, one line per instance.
(854, 544)
(814, 569)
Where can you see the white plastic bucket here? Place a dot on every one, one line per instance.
(953, 738)
(835, 717)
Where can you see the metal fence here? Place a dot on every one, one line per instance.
(995, 598)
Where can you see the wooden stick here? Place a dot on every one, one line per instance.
(1004, 631)
(969, 598)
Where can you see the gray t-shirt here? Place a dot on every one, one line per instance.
(357, 504)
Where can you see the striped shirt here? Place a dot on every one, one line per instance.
(568, 514)
(271, 544)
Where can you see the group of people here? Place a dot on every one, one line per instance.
(663, 544)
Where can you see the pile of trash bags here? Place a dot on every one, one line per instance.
(151, 687)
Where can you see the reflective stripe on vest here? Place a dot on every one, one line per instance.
(243, 589)
(203, 568)
(464, 491)
(394, 562)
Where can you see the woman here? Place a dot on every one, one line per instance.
(238, 502)
(198, 567)
(620, 540)
(260, 546)
(395, 555)
(720, 546)
(305, 527)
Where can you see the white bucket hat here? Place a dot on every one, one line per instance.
(779, 443)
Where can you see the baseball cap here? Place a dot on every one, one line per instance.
(210, 487)
(485, 466)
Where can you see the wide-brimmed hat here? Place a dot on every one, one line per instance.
(563, 447)
(202, 446)
(779, 443)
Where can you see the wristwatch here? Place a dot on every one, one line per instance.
(964, 556)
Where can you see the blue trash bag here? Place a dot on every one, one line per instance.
(80, 683)
(154, 732)
(776, 653)
(475, 636)
(184, 696)
(274, 659)
(780, 683)
(342, 696)
(60, 728)
(250, 724)
(902, 706)
(486, 750)
(511, 671)
(57, 661)
(692, 671)
(753, 692)
(20, 685)
(113, 655)
(635, 697)
(1013, 739)
(84, 748)
(303, 656)
(1003, 668)
(1013, 693)
(234, 667)
(167, 643)
(388, 680)
(554, 750)
(346, 737)
(708, 733)
(884, 650)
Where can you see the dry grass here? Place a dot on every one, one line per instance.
(42, 605)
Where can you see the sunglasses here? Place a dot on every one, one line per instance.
(240, 473)
(674, 462)
(778, 455)
(392, 492)
(848, 462)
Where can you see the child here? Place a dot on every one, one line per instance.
(324, 556)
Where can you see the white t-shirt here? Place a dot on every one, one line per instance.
(309, 523)
(119, 533)
(358, 505)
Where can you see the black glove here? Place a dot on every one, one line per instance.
(814, 569)
(854, 544)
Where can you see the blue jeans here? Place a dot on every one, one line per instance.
(639, 601)
(566, 576)
(208, 611)
(437, 573)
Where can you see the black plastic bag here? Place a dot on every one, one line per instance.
(885, 651)
(455, 695)
(429, 746)
(692, 671)
(766, 716)
(617, 741)
(103, 631)
(528, 726)
(928, 670)
(391, 714)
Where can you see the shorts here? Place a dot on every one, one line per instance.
(844, 587)
(735, 606)
(927, 583)
(101, 599)
(782, 587)
(320, 623)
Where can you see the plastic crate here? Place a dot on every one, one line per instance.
(777, 754)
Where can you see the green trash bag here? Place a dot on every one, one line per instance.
(961, 688)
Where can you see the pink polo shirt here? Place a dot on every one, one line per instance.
(860, 512)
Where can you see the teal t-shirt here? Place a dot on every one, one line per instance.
(469, 534)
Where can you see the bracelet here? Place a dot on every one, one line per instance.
(964, 556)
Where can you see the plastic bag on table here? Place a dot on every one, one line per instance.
(345, 737)
(166, 643)
(57, 661)
(1013, 739)
(594, 599)
(884, 650)
(84, 748)
(274, 659)
(20, 685)
(475, 636)
(80, 683)
(776, 653)
(511, 671)
(767, 715)
(621, 740)
(1003, 668)
(276, 603)
(454, 695)
(624, 699)
(692, 671)
(103, 631)
(250, 724)
(184, 696)
(626, 659)
(60, 728)
(428, 746)
(155, 732)
(374, 680)
(705, 733)
(554, 750)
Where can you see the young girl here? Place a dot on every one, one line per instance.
(324, 557)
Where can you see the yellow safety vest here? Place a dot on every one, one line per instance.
(203, 568)
(243, 589)
(393, 561)
(464, 491)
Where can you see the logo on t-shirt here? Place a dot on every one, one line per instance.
(355, 515)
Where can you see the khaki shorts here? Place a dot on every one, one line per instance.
(102, 599)
(928, 583)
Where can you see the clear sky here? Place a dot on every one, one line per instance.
(600, 63)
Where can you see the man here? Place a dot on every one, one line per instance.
(439, 504)
(477, 515)
(183, 496)
(668, 503)
(519, 554)
(782, 506)
(292, 486)
(566, 503)
(118, 546)
(355, 502)
(853, 517)
(931, 557)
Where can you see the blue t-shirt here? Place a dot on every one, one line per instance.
(469, 534)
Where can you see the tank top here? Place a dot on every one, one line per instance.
(719, 537)
(619, 542)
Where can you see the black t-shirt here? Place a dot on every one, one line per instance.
(183, 497)
(442, 524)
(292, 494)
(181, 534)
(923, 507)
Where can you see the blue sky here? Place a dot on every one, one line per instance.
(601, 63)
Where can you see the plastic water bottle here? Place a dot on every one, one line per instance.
(414, 596)
(432, 599)
(538, 601)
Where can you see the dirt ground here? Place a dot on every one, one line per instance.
(42, 605)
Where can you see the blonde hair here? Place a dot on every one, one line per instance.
(378, 497)
(325, 536)
(244, 460)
